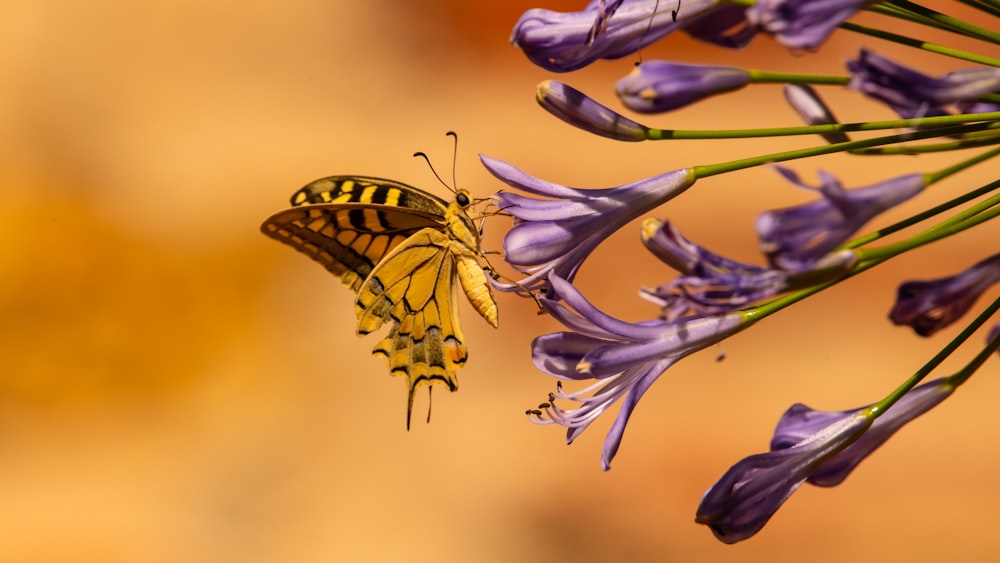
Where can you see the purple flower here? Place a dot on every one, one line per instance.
(820, 447)
(623, 358)
(567, 41)
(811, 108)
(802, 24)
(557, 234)
(913, 94)
(800, 422)
(726, 27)
(993, 334)
(712, 284)
(660, 86)
(794, 237)
(930, 305)
(739, 504)
(579, 110)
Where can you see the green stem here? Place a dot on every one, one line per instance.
(905, 9)
(959, 166)
(704, 171)
(925, 45)
(991, 8)
(674, 134)
(963, 374)
(968, 142)
(767, 77)
(956, 379)
(924, 215)
(980, 213)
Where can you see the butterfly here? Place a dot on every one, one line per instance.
(400, 250)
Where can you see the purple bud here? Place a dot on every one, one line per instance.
(660, 86)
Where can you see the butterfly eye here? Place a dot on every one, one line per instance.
(462, 199)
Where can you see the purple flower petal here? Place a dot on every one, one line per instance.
(739, 504)
(795, 237)
(566, 41)
(556, 235)
(930, 305)
(913, 94)
(802, 24)
(661, 86)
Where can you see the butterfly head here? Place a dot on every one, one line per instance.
(463, 198)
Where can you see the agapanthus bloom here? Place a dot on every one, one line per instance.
(802, 24)
(579, 110)
(794, 237)
(714, 284)
(566, 41)
(739, 504)
(623, 358)
(799, 422)
(660, 86)
(820, 447)
(557, 234)
(913, 94)
(930, 305)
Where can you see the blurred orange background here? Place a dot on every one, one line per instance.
(177, 387)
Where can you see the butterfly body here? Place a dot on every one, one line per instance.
(400, 249)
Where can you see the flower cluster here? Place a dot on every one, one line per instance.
(803, 249)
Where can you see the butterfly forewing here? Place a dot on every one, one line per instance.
(349, 223)
(400, 249)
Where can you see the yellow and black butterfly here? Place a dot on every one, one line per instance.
(399, 248)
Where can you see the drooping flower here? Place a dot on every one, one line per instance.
(712, 284)
(930, 305)
(579, 110)
(740, 503)
(799, 422)
(660, 86)
(819, 447)
(913, 94)
(623, 358)
(794, 237)
(811, 108)
(557, 234)
(802, 24)
(567, 41)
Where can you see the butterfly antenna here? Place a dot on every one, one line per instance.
(454, 158)
(421, 154)
(453, 188)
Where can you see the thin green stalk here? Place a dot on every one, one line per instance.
(941, 21)
(653, 134)
(767, 77)
(969, 142)
(704, 171)
(963, 374)
(880, 407)
(975, 215)
(924, 215)
(924, 45)
(991, 8)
